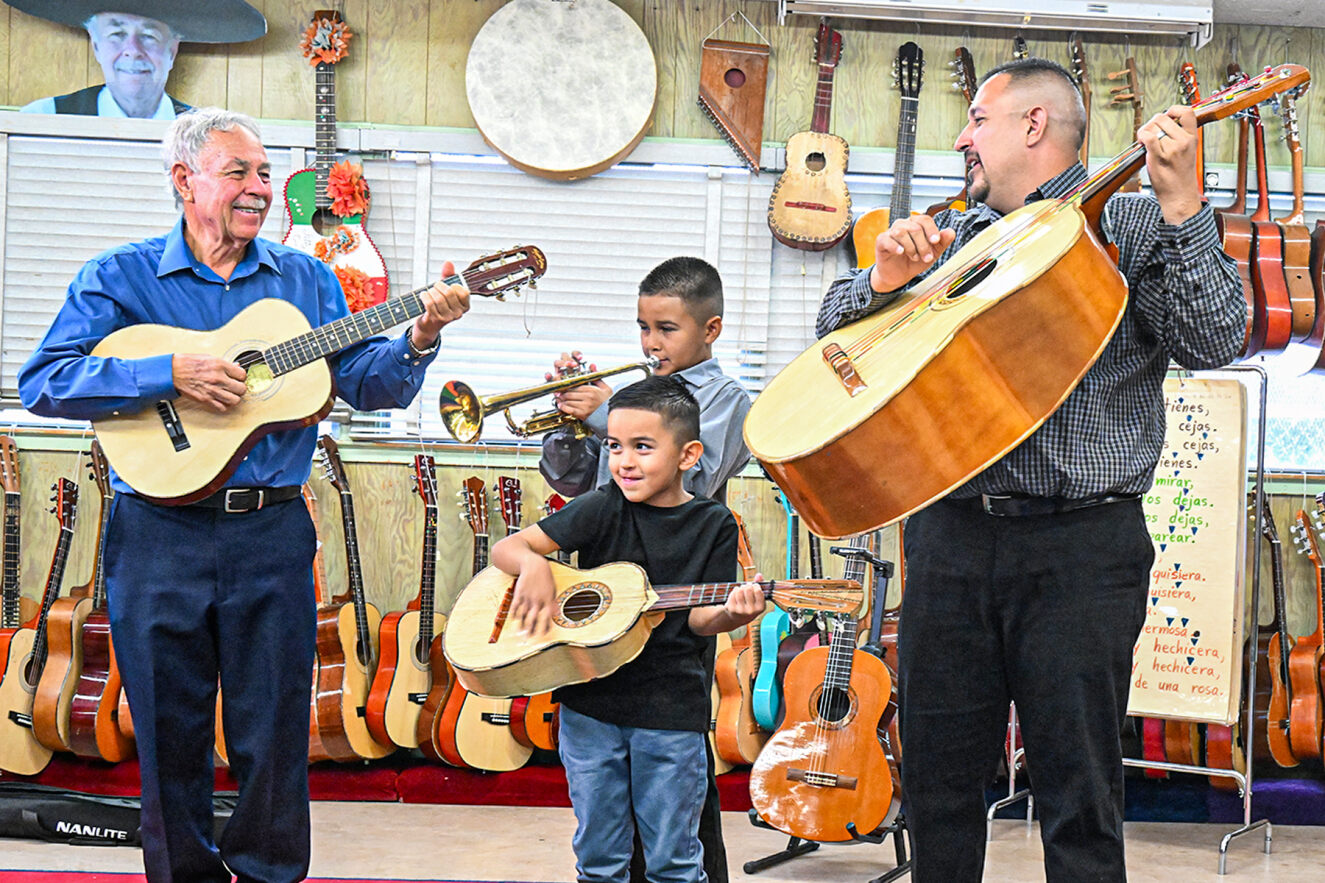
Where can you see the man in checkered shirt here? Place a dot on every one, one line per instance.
(1029, 582)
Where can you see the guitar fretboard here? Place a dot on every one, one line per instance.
(823, 99)
(54, 582)
(9, 609)
(325, 124)
(355, 566)
(427, 580)
(904, 162)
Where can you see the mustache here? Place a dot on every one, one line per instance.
(255, 204)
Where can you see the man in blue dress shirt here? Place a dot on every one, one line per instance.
(222, 587)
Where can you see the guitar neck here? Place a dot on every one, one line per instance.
(904, 161)
(707, 594)
(816, 557)
(480, 552)
(9, 595)
(1262, 212)
(823, 99)
(54, 582)
(793, 546)
(355, 567)
(325, 124)
(427, 580)
(98, 562)
(841, 654)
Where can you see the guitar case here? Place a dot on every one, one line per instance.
(41, 812)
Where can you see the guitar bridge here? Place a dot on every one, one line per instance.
(23, 720)
(174, 428)
(840, 362)
(821, 780)
(417, 698)
(495, 718)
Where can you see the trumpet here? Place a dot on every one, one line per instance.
(463, 411)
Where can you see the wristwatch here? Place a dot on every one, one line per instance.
(420, 353)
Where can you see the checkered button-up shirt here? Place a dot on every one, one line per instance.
(1185, 304)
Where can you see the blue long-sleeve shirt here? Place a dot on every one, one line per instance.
(160, 281)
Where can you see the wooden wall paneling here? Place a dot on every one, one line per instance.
(352, 72)
(286, 76)
(866, 102)
(45, 58)
(452, 27)
(397, 61)
(793, 75)
(1311, 108)
(5, 15)
(38, 470)
(243, 72)
(199, 76)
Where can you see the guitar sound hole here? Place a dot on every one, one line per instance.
(325, 222)
(834, 705)
(815, 162)
(258, 374)
(581, 604)
(969, 280)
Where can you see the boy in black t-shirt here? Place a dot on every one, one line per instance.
(634, 740)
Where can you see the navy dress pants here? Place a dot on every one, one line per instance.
(1043, 610)
(196, 594)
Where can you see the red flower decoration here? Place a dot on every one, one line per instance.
(325, 41)
(347, 189)
(353, 282)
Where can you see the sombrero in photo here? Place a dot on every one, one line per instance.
(197, 21)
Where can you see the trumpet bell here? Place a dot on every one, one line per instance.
(462, 411)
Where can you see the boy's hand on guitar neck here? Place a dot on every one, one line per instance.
(1170, 142)
(442, 305)
(906, 249)
(215, 383)
(578, 401)
(745, 602)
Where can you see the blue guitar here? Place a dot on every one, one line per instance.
(766, 697)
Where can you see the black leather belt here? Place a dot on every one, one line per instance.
(247, 499)
(1015, 505)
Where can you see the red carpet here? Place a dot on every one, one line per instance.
(98, 876)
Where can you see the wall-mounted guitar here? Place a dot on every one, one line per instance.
(1302, 294)
(1232, 222)
(810, 207)
(322, 223)
(404, 678)
(908, 73)
(1272, 320)
(963, 80)
(1129, 93)
(178, 452)
(20, 752)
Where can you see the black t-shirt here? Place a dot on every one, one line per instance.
(666, 687)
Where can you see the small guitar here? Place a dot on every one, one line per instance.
(534, 719)
(1129, 93)
(474, 730)
(1302, 296)
(94, 728)
(737, 735)
(810, 207)
(404, 678)
(600, 621)
(766, 695)
(1281, 698)
(908, 72)
(824, 774)
(177, 452)
(329, 225)
(1272, 322)
(1306, 657)
(20, 752)
(356, 626)
(963, 80)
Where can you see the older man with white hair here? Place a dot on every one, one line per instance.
(135, 42)
(221, 588)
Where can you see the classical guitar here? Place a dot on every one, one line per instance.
(404, 677)
(823, 775)
(534, 719)
(20, 752)
(177, 452)
(344, 692)
(94, 727)
(766, 694)
(963, 366)
(1129, 93)
(14, 610)
(1281, 696)
(1296, 234)
(1232, 221)
(1272, 321)
(316, 751)
(908, 72)
(963, 80)
(737, 734)
(327, 203)
(882, 643)
(810, 207)
(472, 729)
(600, 621)
(1081, 74)
(1304, 660)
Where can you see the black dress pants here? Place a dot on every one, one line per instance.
(1042, 610)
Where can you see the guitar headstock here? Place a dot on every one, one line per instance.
(1188, 88)
(505, 272)
(9, 465)
(1306, 535)
(909, 69)
(1129, 92)
(474, 500)
(1287, 103)
(1268, 530)
(744, 551)
(509, 495)
(1020, 49)
(827, 46)
(1079, 70)
(819, 595)
(425, 479)
(554, 503)
(99, 468)
(963, 73)
(332, 466)
(1245, 94)
(65, 498)
(326, 40)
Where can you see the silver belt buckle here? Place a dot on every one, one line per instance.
(985, 500)
(261, 493)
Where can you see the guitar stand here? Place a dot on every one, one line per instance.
(797, 847)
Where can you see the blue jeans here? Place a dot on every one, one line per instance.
(661, 774)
